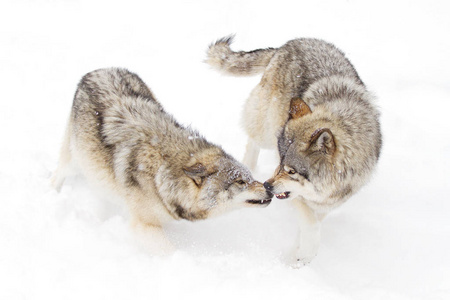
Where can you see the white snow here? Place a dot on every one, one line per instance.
(390, 241)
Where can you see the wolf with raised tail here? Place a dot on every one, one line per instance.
(311, 105)
(120, 136)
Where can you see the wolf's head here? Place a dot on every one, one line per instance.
(222, 184)
(208, 184)
(323, 159)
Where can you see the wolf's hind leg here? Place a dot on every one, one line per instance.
(64, 162)
(251, 154)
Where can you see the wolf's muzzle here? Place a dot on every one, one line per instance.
(268, 187)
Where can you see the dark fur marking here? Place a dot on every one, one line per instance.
(132, 168)
(342, 193)
(181, 212)
(100, 123)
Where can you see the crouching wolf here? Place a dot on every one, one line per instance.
(313, 106)
(121, 137)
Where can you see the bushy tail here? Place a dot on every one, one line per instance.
(222, 58)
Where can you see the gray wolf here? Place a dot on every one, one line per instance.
(311, 105)
(119, 136)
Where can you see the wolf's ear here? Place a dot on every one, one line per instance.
(298, 108)
(323, 140)
(196, 172)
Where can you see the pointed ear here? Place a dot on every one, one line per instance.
(196, 172)
(298, 108)
(323, 140)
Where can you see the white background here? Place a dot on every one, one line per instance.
(390, 241)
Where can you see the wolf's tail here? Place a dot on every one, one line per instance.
(222, 58)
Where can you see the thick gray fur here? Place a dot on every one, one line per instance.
(312, 105)
(120, 137)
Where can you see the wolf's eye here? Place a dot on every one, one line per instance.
(240, 182)
(289, 170)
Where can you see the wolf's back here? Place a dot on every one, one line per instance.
(240, 63)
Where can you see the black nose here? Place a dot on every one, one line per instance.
(268, 186)
(269, 195)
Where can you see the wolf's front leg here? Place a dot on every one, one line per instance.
(152, 238)
(251, 154)
(308, 238)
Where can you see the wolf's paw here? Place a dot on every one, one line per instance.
(299, 258)
(304, 254)
(304, 261)
(56, 182)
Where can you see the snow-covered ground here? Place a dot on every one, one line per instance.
(390, 241)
